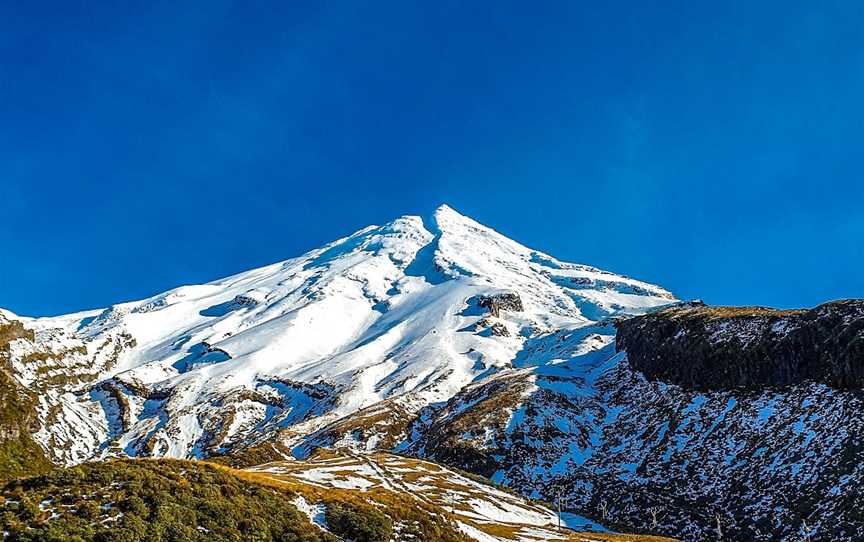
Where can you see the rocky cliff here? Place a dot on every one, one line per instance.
(720, 348)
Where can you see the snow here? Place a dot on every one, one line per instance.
(315, 512)
(327, 478)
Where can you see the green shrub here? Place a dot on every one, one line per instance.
(358, 523)
(151, 501)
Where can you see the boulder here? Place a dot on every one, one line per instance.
(504, 301)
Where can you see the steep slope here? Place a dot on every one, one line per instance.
(402, 315)
(722, 348)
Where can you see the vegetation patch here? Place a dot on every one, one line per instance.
(151, 500)
(253, 455)
(19, 453)
(357, 523)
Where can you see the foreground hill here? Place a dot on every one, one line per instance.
(150, 500)
(363, 499)
(473, 505)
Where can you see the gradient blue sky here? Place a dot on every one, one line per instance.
(715, 148)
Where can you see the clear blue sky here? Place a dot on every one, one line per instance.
(715, 148)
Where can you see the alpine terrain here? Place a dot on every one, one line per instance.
(393, 363)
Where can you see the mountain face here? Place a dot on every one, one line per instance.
(443, 340)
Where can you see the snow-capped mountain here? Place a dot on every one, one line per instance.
(407, 313)
(441, 339)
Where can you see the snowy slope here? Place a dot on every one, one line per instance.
(390, 313)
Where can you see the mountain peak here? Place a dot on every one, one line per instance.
(444, 216)
(448, 219)
(444, 208)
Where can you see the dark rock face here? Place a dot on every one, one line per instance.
(491, 328)
(507, 301)
(723, 348)
(245, 300)
(499, 330)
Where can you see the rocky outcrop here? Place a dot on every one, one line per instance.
(491, 327)
(505, 301)
(250, 298)
(722, 348)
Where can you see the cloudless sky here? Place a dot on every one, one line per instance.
(714, 148)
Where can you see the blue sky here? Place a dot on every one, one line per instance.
(714, 148)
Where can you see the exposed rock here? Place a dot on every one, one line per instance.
(318, 391)
(380, 426)
(11, 330)
(115, 390)
(505, 301)
(499, 330)
(251, 298)
(455, 433)
(496, 329)
(721, 348)
(482, 324)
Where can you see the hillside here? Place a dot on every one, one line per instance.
(700, 443)
(474, 506)
(330, 499)
(717, 348)
(150, 500)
